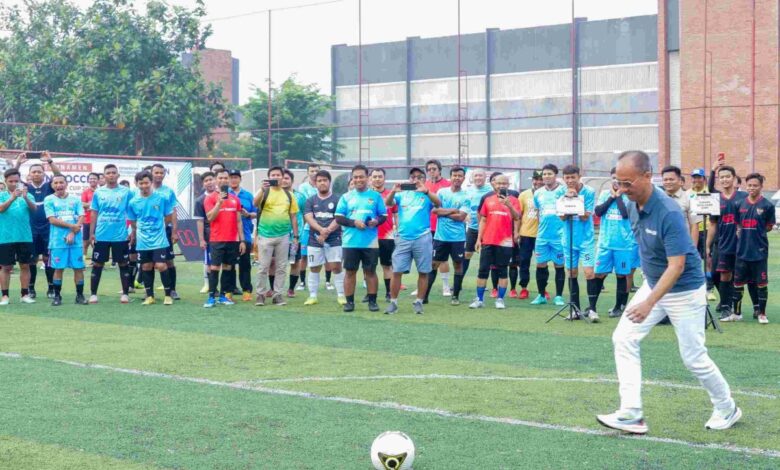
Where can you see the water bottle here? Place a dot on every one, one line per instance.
(293, 251)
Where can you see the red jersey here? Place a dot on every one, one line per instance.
(434, 188)
(224, 227)
(385, 231)
(499, 225)
(86, 197)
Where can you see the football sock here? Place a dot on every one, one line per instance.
(327, 276)
(621, 296)
(431, 280)
(494, 278)
(481, 294)
(466, 263)
(594, 289)
(727, 294)
(213, 282)
(753, 291)
(224, 283)
(542, 276)
(458, 285)
(50, 276)
(313, 283)
(33, 274)
(172, 273)
(167, 281)
(512, 277)
(94, 279)
(501, 292)
(124, 278)
(80, 287)
(560, 280)
(302, 276)
(293, 281)
(57, 285)
(739, 292)
(149, 282)
(339, 283)
(445, 280)
(575, 291)
(763, 295)
(387, 286)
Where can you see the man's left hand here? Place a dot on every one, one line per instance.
(638, 312)
(241, 247)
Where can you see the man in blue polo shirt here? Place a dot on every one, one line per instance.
(674, 286)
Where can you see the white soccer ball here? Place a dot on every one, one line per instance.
(392, 450)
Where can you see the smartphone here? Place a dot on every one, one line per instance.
(503, 192)
(273, 182)
(34, 154)
(224, 189)
(408, 187)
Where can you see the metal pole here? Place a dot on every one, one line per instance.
(269, 142)
(360, 81)
(753, 92)
(705, 154)
(460, 135)
(574, 92)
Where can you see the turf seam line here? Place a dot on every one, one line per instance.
(401, 407)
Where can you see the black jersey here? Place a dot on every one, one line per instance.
(324, 212)
(727, 222)
(200, 213)
(754, 219)
(38, 220)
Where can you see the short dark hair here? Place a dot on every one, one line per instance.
(550, 167)
(36, 164)
(379, 169)
(158, 165)
(110, 165)
(142, 174)
(147, 168)
(312, 165)
(211, 167)
(124, 183)
(207, 174)
(672, 169)
(433, 161)
(274, 168)
(289, 173)
(93, 174)
(571, 170)
(739, 180)
(755, 176)
(358, 168)
(456, 169)
(58, 176)
(219, 172)
(493, 175)
(11, 172)
(613, 170)
(322, 174)
(728, 168)
(641, 160)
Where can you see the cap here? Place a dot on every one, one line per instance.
(414, 168)
(234, 173)
(537, 175)
(698, 172)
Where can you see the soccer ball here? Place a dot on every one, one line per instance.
(392, 450)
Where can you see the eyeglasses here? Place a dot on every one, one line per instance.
(418, 177)
(624, 184)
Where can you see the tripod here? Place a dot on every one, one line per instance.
(709, 318)
(574, 311)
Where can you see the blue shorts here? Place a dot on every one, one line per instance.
(636, 262)
(620, 261)
(585, 254)
(547, 251)
(421, 250)
(67, 258)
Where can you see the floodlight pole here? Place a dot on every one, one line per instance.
(460, 145)
(270, 109)
(360, 81)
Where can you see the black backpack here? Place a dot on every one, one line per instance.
(266, 192)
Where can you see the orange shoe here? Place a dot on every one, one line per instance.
(513, 294)
(247, 296)
(524, 294)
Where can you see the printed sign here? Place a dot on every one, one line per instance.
(570, 206)
(706, 204)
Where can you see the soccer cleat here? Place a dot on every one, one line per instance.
(413, 293)
(539, 300)
(494, 293)
(56, 301)
(392, 308)
(277, 299)
(259, 300)
(364, 299)
(513, 294)
(732, 318)
(211, 302)
(591, 316)
(301, 286)
(175, 295)
(372, 306)
(342, 300)
(149, 301)
(80, 300)
(523, 294)
(615, 312)
(311, 301)
(417, 306)
(454, 301)
(756, 312)
(50, 293)
(26, 299)
(477, 304)
(160, 287)
(500, 304)
(762, 319)
(725, 312)
(623, 421)
(559, 301)
(205, 288)
(124, 299)
(446, 291)
(711, 295)
(225, 300)
(246, 296)
(720, 422)
(349, 307)
(32, 294)
(138, 285)
(5, 300)
(547, 296)
(329, 286)
(387, 297)
(93, 299)
(168, 300)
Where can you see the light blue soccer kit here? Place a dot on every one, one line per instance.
(149, 215)
(414, 232)
(616, 239)
(549, 246)
(447, 229)
(61, 254)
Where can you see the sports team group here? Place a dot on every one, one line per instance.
(429, 220)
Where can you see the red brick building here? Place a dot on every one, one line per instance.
(219, 66)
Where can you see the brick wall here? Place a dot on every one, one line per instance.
(217, 67)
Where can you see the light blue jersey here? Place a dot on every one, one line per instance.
(550, 225)
(111, 206)
(615, 231)
(300, 198)
(67, 209)
(414, 214)
(474, 196)
(448, 230)
(167, 194)
(149, 215)
(361, 205)
(15, 220)
(582, 230)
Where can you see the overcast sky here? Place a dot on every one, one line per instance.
(301, 38)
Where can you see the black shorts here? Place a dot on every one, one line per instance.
(386, 248)
(40, 245)
(494, 256)
(751, 272)
(119, 252)
(12, 253)
(223, 253)
(726, 262)
(443, 250)
(85, 231)
(159, 255)
(527, 245)
(168, 235)
(131, 249)
(471, 240)
(354, 257)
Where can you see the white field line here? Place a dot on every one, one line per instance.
(401, 407)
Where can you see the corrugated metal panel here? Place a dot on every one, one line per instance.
(548, 141)
(429, 146)
(385, 148)
(619, 78)
(430, 92)
(619, 139)
(558, 141)
(674, 103)
(375, 95)
(530, 85)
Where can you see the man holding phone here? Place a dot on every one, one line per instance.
(415, 204)
(16, 209)
(248, 215)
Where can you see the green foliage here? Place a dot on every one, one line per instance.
(295, 106)
(106, 66)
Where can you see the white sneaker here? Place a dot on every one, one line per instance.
(27, 300)
(124, 299)
(623, 421)
(762, 319)
(477, 304)
(732, 318)
(5, 301)
(414, 293)
(500, 304)
(329, 286)
(93, 299)
(719, 422)
(300, 287)
(446, 291)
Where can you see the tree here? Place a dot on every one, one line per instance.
(296, 107)
(107, 66)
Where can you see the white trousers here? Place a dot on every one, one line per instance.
(686, 311)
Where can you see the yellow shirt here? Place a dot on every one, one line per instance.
(530, 221)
